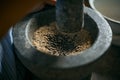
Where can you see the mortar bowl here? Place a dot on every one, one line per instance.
(47, 66)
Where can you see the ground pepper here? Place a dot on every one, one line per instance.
(49, 40)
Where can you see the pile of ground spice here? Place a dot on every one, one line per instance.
(49, 40)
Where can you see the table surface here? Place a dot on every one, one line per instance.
(114, 61)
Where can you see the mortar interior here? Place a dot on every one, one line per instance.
(43, 18)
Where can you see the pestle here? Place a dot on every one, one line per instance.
(69, 15)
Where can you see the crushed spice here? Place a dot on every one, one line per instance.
(49, 40)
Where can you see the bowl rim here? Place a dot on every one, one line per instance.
(91, 5)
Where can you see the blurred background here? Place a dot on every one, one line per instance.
(109, 8)
(11, 11)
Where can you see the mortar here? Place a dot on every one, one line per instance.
(72, 67)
